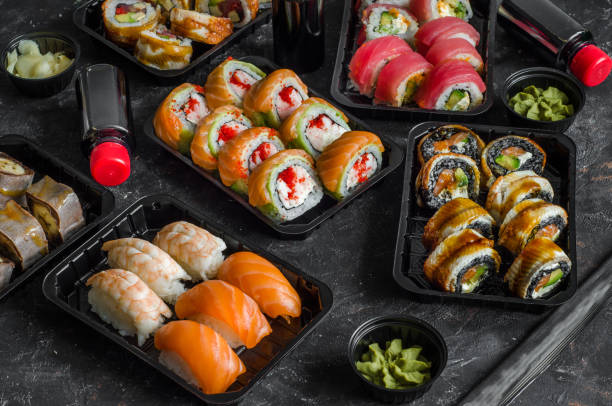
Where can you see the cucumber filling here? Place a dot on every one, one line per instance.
(458, 100)
(391, 23)
(293, 185)
(452, 8)
(471, 279)
(412, 85)
(322, 131)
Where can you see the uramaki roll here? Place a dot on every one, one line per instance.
(450, 138)
(6, 270)
(427, 10)
(240, 12)
(400, 79)
(160, 48)
(22, 239)
(15, 178)
(124, 20)
(200, 27)
(229, 82)
(379, 20)
(510, 154)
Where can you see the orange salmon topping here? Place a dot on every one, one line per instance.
(513, 151)
(444, 145)
(445, 179)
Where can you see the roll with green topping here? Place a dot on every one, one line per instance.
(510, 154)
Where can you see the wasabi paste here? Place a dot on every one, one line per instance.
(543, 105)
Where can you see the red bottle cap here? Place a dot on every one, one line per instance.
(110, 164)
(591, 65)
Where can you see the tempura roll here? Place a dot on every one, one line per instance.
(240, 12)
(124, 20)
(450, 138)
(199, 26)
(6, 271)
(15, 178)
(160, 48)
(229, 82)
(22, 239)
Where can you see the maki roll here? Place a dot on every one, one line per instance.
(200, 27)
(178, 115)
(285, 186)
(445, 177)
(427, 10)
(15, 178)
(450, 138)
(240, 12)
(223, 124)
(444, 28)
(454, 48)
(400, 79)
(22, 239)
(539, 270)
(349, 162)
(361, 5)
(124, 20)
(6, 270)
(160, 48)
(273, 99)
(380, 20)
(510, 154)
(313, 126)
(241, 155)
(229, 82)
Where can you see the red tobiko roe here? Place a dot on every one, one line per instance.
(235, 80)
(289, 176)
(285, 95)
(191, 105)
(319, 122)
(261, 153)
(228, 131)
(361, 167)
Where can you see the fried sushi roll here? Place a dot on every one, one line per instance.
(22, 239)
(445, 177)
(229, 82)
(455, 48)
(444, 28)
(273, 99)
(400, 79)
(285, 186)
(200, 27)
(15, 178)
(379, 20)
(124, 20)
(240, 12)
(450, 138)
(160, 48)
(349, 162)
(427, 10)
(6, 270)
(241, 155)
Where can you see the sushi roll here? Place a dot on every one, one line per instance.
(513, 188)
(199, 355)
(531, 218)
(456, 215)
(450, 138)
(285, 186)
(223, 124)
(380, 20)
(15, 178)
(454, 48)
(241, 155)
(57, 208)
(200, 27)
(510, 154)
(240, 12)
(124, 20)
(22, 239)
(361, 5)
(160, 48)
(196, 250)
(156, 268)
(444, 28)
(446, 177)
(6, 270)
(539, 270)
(427, 10)
(265, 283)
(452, 85)
(313, 126)
(229, 82)
(179, 114)
(461, 262)
(400, 79)
(123, 300)
(349, 162)
(227, 310)
(273, 99)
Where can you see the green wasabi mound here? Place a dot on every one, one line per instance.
(543, 105)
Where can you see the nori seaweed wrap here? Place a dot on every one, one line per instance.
(510, 154)
(450, 138)
(22, 239)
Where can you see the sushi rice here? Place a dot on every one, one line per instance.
(472, 98)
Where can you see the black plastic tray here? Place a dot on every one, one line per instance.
(88, 18)
(306, 223)
(97, 202)
(65, 286)
(484, 20)
(410, 254)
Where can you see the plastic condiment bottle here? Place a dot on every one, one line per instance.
(569, 44)
(107, 140)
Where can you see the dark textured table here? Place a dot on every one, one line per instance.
(47, 357)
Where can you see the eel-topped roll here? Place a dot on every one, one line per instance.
(22, 239)
(427, 10)
(15, 178)
(199, 26)
(124, 20)
(240, 12)
(160, 48)
(6, 270)
(450, 138)
(229, 82)
(380, 19)
(510, 154)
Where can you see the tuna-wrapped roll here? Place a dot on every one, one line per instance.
(539, 270)
(200, 27)
(531, 218)
(273, 99)
(461, 262)
(15, 178)
(285, 186)
(446, 177)
(313, 126)
(160, 48)
(510, 154)
(178, 115)
(229, 82)
(6, 270)
(240, 12)
(454, 48)
(241, 155)
(22, 239)
(220, 126)
(444, 28)
(349, 162)
(427, 10)
(124, 20)
(400, 79)
(57, 208)
(513, 188)
(450, 138)
(380, 20)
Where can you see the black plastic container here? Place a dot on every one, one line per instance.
(543, 77)
(97, 202)
(306, 223)
(412, 331)
(410, 254)
(65, 286)
(484, 20)
(88, 18)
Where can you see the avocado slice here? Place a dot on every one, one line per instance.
(460, 10)
(508, 162)
(453, 100)
(555, 276)
(479, 271)
(386, 18)
(461, 177)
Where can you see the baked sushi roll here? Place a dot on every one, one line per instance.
(240, 12)
(219, 127)
(454, 48)
(349, 162)
(510, 154)
(445, 177)
(15, 178)
(229, 82)
(444, 28)
(273, 99)
(241, 155)
(313, 126)
(160, 48)
(200, 27)
(6, 270)
(380, 19)
(456, 215)
(124, 20)
(427, 10)
(450, 138)
(22, 239)
(400, 79)
(539, 270)
(285, 186)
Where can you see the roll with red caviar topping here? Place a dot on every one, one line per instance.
(229, 82)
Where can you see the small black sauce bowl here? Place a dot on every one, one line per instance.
(543, 77)
(47, 41)
(412, 331)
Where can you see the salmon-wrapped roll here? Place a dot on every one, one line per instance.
(223, 124)
(22, 239)
(240, 12)
(200, 27)
(160, 48)
(242, 154)
(272, 99)
(15, 178)
(124, 20)
(229, 82)
(450, 138)
(6, 270)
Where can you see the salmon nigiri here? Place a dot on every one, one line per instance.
(262, 281)
(227, 310)
(199, 355)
